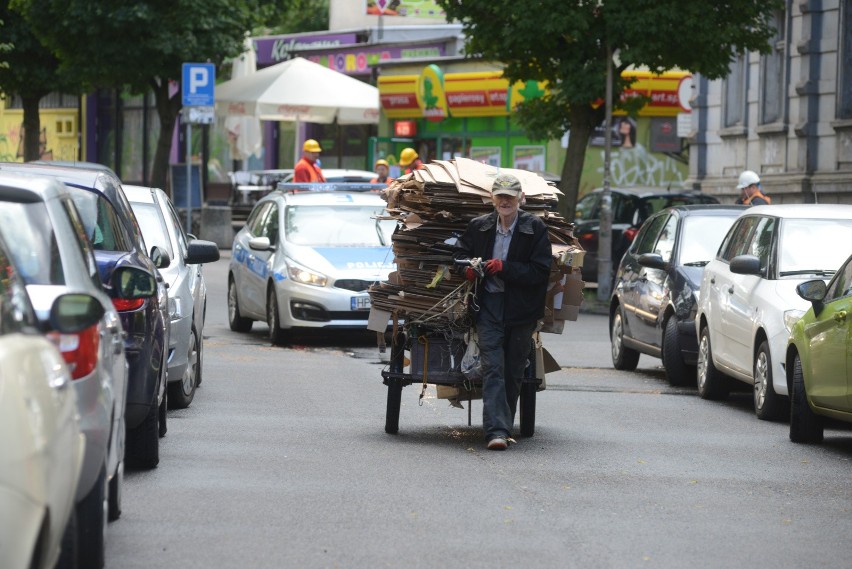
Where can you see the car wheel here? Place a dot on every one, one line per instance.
(768, 405)
(68, 555)
(712, 384)
(623, 358)
(677, 372)
(143, 442)
(91, 524)
(805, 425)
(115, 489)
(276, 334)
(181, 392)
(237, 322)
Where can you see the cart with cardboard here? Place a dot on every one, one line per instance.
(429, 303)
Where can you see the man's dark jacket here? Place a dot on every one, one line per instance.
(526, 268)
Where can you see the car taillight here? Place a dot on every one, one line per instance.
(630, 233)
(123, 305)
(589, 241)
(80, 350)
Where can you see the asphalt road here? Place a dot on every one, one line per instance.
(282, 461)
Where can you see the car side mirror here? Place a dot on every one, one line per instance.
(746, 265)
(259, 243)
(813, 291)
(74, 312)
(160, 258)
(653, 261)
(131, 283)
(200, 251)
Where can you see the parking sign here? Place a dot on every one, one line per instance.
(197, 86)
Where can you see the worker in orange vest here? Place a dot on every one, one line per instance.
(382, 168)
(751, 192)
(409, 160)
(307, 169)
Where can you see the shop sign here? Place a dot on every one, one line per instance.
(430, 93)
(397, 95)
(477, 94)
(276, 49)
(405, 129)
(529, 158)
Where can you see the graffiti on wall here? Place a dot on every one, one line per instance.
(638, 167)
(12, 145)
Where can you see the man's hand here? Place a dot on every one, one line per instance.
(470, 274)
(493, 266)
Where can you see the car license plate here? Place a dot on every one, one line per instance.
(361, 302)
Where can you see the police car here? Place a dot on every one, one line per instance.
(306, 257)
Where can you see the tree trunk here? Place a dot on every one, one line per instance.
(32, 128)
(167, 110)
(582, 126)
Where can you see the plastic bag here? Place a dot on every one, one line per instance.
(471, 364)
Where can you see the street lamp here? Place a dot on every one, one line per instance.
(605, 230)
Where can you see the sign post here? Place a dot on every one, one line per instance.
(197, 89)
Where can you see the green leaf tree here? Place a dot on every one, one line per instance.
(141, 46)
(30, 71)
(567, 44)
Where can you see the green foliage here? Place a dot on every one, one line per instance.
(295, 16)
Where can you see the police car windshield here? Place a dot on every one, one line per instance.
(337, 226)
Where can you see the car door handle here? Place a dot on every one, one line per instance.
(712, 280)
(840, 316)
(730, 290)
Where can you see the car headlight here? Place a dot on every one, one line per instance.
(175, 312)
(304, 275)
(791, 317)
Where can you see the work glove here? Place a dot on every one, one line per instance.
(470, 274)
(493, 266)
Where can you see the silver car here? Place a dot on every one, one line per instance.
(306, 257)
(48, 243)
(161, 227)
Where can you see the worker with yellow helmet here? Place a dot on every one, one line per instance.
(382, 169)
(409, 160)
(307, 169)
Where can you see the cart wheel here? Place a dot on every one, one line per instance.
(394, 400)
(397, 364)
(528, 391)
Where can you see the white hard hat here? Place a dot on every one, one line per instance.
(747, 178)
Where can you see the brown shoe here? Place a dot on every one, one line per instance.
(497, 443)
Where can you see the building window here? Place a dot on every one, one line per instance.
(772, 83)
(735, 90)
(844, 105)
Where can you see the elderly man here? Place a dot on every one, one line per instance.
(516, 254)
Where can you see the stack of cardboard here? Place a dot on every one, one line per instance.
(433, 207)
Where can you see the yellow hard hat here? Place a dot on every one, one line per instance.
(311, 145)
(382, 162)
(407, 156)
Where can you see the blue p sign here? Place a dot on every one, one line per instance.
(197, 85)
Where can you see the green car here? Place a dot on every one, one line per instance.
(819, 357)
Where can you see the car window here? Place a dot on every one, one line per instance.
(587, 207)
(15, 310)
(175, 221)
(666, 240)
(701, 236)
(336, 225)
(841, 285)
(153, 226)
(760, 245)
(269, 224)
(124, 206)
(85, 246)
(255, 220)
(648, 234)
(27, 228)
(738, 239)
(813, 245)
(104, 227)
(623, 207)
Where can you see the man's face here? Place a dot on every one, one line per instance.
(312, 156)
(506, 205)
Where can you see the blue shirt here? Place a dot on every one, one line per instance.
(502, 239)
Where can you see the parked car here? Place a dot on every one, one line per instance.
(653, 303)
(43, 446)
(48, 243)
(630, 206)
(748, 302)
(819, 377)
(117, 240)
(306, 258)
(181, 268)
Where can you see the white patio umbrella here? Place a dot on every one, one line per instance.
(244, 131)
(299, 90)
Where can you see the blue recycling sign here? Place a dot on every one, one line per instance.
(197, 85)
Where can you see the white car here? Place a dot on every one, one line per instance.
(161, 227)
(43, 446)
(748, 302)
(307, 256)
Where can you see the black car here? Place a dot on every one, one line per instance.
(654, 299)
(630, 208)
(117, 242)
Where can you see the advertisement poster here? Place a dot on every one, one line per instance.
(486, 154)
(529, 158)
(407, 8)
